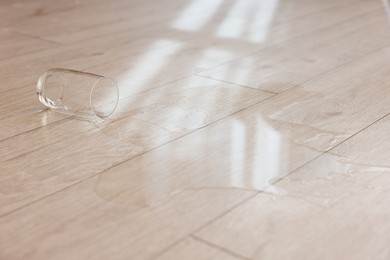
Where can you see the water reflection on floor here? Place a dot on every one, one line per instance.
(258, 156)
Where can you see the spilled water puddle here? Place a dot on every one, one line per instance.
(258, 157)
(171, 118)
(330, 178)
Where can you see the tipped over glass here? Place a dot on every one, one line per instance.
(78, 93)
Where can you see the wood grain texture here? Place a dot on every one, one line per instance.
(245, 130)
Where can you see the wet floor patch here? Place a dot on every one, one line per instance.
(259, 159)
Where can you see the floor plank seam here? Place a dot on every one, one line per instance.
(115, 120)
(330, 71)
(204, 225)
(293, 171)
(32, 151)
(33, 202)
(354, 134)
(212, 67)
(328, 9)
(235, 84)
(226, 212)
(115, 165)
(280, 44)
(138, 155)
(21, 55)
(38, 38)
(335, 69)
(70, 117)
(192, 166)
(215, 246)
(31, 130)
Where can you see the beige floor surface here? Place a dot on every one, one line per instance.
(245, 129)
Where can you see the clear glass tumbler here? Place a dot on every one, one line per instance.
(78, 93)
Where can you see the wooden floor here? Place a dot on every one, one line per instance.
(246, 129)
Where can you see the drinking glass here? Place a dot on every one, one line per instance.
(78, 93)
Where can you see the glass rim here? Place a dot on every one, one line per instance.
(92, 91)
